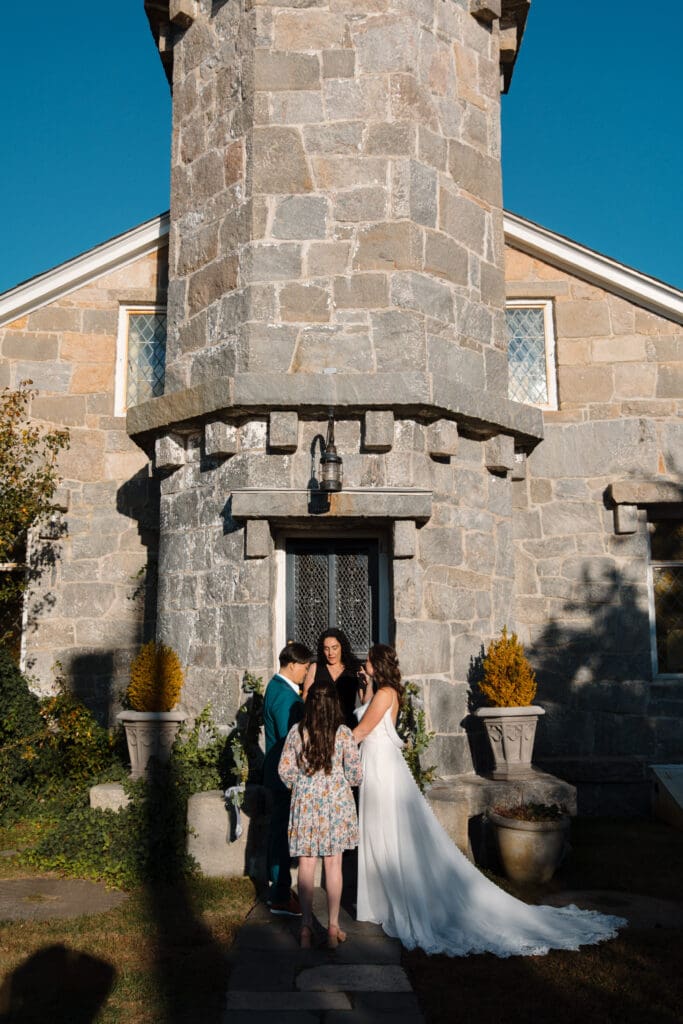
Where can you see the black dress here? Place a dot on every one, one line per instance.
(347, 690)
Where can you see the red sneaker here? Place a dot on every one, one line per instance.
(290, 908)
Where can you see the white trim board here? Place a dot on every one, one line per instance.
(591, 266)
(67, 277)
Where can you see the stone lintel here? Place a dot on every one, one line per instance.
(371, 503)
(379, 430)
(283, 432)
(626, 519)
(405, 535)
(645, 492)
(480, 412)
(258, 541)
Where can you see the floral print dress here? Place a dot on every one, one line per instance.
(322, 817)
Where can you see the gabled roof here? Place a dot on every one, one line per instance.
(593, 267)
(67, 277)
(644, 291)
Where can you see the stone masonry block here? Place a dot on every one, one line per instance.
(258, 541)
(220, 439)
(442, 438)
(404, 538)
(500, 453)
(626, 519)
(283, 431)
(211, 834)
(108, 796)
(379, 430)
(169, 452)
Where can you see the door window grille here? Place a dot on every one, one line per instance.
(666, 557)
(333, 583)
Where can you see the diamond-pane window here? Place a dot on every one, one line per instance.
(146, 362)
(666, 550)
(530, 355)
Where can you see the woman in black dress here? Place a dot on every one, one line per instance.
(337, 664)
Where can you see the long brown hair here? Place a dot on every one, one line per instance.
(384, 661)
(318, 728)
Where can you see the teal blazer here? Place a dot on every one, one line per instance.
(282, 708)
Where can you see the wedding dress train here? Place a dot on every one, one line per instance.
(415, 883)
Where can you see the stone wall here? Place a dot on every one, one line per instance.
(87, 611)
(581, 574)
(231, 495)
(336, 188)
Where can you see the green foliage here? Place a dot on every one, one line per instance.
(20, 726)
(411, 727)
(28, 470)
(509, 680)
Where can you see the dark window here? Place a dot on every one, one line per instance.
(666, 555)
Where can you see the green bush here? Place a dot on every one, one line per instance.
(73, 747)
(20, 728)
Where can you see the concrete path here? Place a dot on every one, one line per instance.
(272, 981)
(38, 899)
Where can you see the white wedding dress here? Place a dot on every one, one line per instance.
(415, 882)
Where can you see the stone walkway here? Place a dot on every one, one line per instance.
(272, 981)
(39, 899)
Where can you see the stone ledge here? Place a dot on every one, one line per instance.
(373, 503)
(645, 492)
(481, 412)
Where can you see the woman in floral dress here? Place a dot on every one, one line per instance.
(320, 762)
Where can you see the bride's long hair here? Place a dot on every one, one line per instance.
(318, 728)
(384, 661)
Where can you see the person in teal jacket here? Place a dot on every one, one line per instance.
(282, 708)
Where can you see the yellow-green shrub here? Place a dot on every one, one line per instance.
(156, 679)
(509, 680)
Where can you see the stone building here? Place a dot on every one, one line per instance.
(338, 252)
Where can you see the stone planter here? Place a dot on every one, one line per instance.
(511, 733)
(149, 734)
(530, 851)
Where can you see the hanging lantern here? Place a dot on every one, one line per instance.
(331, 466)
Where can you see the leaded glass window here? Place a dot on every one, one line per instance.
(146, 362)
(666, 554)
(531, 354)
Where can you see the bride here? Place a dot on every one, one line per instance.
(413, 880)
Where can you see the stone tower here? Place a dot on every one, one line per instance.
(336, 246)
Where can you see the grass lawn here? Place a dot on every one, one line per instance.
(633, 979)
(162, 954)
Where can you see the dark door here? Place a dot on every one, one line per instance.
(333, 583)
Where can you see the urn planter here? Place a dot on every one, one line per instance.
(530, 851)
(149, 734)
(511, 733)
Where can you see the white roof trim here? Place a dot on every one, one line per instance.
(591, 266)
(65, 278)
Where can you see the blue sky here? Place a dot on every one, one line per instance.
(592, 132)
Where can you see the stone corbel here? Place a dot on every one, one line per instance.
(378, 433)
(405, 532)
(499, 453)
(485, 11)
(283, 431)
(258, 541)
(169, 453)
(182, 12)
(626, 519)
(442, 439)
(220, 439)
